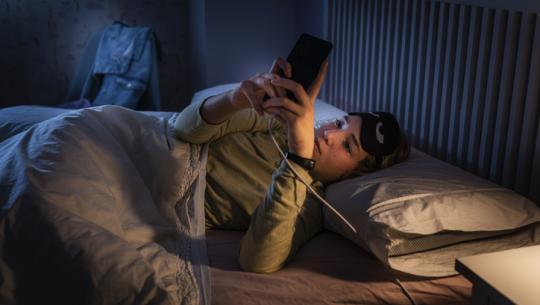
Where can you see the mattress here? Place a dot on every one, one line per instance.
(329, 269)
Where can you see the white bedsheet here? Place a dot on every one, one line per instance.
(102, 205)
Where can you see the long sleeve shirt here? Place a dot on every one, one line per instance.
(250, 187)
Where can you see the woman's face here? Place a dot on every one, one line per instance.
(337, 148)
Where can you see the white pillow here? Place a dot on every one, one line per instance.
(210, 91)
(424, 204)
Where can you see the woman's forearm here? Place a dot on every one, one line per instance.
(281, 224)
(219, 108)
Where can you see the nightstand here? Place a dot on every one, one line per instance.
(505, 277)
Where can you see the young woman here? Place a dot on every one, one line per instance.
(250, 187)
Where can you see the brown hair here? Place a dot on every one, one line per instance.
(369, 164)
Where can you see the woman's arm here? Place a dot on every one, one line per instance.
(250, 94)
(240, 109)
(286, 218)
(219, 108)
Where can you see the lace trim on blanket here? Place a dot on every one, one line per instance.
(185, 279)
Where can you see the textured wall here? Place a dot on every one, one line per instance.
(463, 80)
(41, 42)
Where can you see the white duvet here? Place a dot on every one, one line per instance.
(102, 206)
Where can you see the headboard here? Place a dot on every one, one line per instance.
(463, 80)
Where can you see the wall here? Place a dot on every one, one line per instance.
(233, 40)
(310, 17)
(515, 5)
(196, 45)
(243, 37)
(42, 40)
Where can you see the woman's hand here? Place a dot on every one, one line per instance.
(250, 92)
(281, 66)
(299, 115)
(253, 92)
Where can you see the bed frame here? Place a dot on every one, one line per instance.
(463, 80)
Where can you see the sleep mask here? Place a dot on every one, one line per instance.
(379, 133)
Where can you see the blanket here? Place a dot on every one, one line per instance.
(102, 206)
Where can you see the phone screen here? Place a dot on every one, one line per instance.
(306, 58)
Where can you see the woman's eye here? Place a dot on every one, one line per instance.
(347, 146)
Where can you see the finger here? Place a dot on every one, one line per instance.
(281, 92)
(275, 66)
(278, 91)
(317, 84)
(264, 81)
(297, 89)
(283, 103)
(269, 76)
(282, 65)
(249, 90)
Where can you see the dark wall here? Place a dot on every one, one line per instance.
(233, 40)
(204, 42)
(243, 37)
(310, 17)
(514, 5)
(41, 42)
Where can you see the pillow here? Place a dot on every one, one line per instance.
(419, 215)
(210, 91)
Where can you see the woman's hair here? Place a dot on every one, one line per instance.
(369, 164)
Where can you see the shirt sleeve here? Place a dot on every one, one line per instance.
(191, 127)
(282, 223)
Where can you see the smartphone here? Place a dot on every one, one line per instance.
(306, 58)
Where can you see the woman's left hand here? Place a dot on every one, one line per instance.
(298, 115)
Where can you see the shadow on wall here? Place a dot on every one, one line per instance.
(42, 43)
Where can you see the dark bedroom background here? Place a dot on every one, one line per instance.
(485, 122)
(203, 42)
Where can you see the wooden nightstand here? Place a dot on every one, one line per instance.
(505, 277)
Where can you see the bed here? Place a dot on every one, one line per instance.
(331, 269)
(147, 262)
(328, 270)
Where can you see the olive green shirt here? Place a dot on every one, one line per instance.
(250, 187)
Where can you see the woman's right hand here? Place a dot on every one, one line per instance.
(253, 91)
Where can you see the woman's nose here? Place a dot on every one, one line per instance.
(330, 135)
